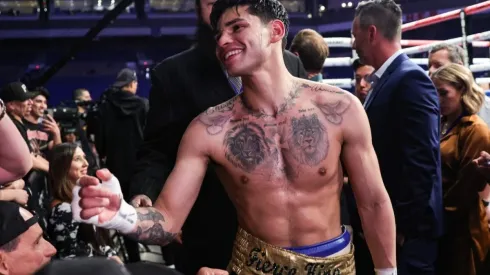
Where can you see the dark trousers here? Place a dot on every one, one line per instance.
(417, 256)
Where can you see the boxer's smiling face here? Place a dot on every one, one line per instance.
(243, 40)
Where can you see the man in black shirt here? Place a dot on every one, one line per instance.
(121, 123)
(18, 102)
(42, 130)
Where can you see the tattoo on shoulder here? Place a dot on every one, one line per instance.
(333, 111)
(321, 88)
(309, 142)
(246, 146)
(215, 117)
(150, 229)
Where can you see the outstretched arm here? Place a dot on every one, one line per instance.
(373, 202)
(160, 224)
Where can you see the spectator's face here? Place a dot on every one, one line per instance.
(449, 98)
(133, 87)
(32, 251)
(437, 60)
(363, 86)
(78, 166)
(206, 8)
(39, 105)
(361, 42)
(85, 96)
(20, 108)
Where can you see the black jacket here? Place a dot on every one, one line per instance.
(122, 119)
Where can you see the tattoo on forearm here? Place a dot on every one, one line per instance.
(150, 229)
(309, 141)
(333, 111)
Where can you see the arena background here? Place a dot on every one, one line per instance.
(34, 38)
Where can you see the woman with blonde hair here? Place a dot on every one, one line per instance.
(464, 135)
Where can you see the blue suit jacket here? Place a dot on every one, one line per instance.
(405, 124)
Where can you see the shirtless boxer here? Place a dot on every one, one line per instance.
(277, 149)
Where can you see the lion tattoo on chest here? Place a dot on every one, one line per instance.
(308, 142)
(246, 146)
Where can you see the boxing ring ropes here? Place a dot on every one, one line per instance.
(423, 46)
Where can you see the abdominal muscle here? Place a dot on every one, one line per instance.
(286, 215)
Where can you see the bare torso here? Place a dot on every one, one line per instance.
(282, 171)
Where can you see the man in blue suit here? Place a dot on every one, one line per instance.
(403, 111)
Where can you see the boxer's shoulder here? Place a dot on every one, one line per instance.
(213, 120)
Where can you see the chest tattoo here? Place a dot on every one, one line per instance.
(246, 146)
(309, 141)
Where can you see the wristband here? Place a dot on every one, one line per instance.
(386, 271)
(125, 218)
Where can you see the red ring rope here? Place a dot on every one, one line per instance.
(445, 16)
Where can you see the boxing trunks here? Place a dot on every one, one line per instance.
(253, 256)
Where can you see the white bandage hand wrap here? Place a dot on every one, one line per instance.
(125, 219)
(386, 271)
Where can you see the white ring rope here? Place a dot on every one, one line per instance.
(346, 83)
(347, 61)
(346, 42)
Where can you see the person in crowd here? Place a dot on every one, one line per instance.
(362, 73)
(466, 238)
(312, 50)
(444, 54)
(183, 86)
(122, 118)
(42, 130)
(23, 250)
(72, 239)
(79, 96)
(403, 112)
(18, 101)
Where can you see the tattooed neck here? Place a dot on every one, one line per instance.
(289, 102)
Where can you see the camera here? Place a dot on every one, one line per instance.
(68, 117)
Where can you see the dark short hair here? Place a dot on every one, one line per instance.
(10, 246)
(311, 48)
(266, 10)
(386, 15)
(357, 64)
(78, 93)
(455, 52)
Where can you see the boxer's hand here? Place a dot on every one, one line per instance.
(483, 164)
(141, 201)
(97, 200)
(102, 204)
(211, 271)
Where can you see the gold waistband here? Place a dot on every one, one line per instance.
(253, 256)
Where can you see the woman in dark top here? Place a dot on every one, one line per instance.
(72, 239)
